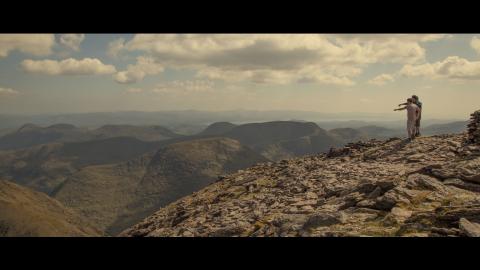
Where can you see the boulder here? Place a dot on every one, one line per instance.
(471, 229)
(400, 214)
(321, 220)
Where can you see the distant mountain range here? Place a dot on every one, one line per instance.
(31, 135)
(44, 167)
(368, 132)
(218, 128)
(282, 139)
(191, 120)
(144, 133)
(447, 128)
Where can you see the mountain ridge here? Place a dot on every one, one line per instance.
(113, 195)
(44, 167)
(29, 135)
(428, 187)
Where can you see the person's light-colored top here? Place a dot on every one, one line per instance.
(412, 111)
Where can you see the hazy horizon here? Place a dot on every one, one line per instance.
(323, 73)
(193, 121)
(344, 116)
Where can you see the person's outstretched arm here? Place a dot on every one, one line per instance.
(399, 109)
(402, 104)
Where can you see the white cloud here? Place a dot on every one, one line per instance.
(70, 66)
(475, 44)
(115, 47)
(187, 86)
(422, 38)
(35, 44)
(278, 58)
(144, 66)
(72, 41)
(307, 74)
(8, 92)
(281, 50)
(382, 79)
(423, 70)
(452, 67)
(380, 48)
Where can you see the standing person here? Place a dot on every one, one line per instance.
(413, 113)
(417, 102)
(417, 123)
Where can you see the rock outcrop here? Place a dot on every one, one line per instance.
(474, 128)
(428, 187)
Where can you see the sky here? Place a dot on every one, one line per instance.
(372, 73)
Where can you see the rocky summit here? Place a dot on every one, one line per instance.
(427, 187)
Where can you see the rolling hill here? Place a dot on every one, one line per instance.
(144, 133)
(218, 128)
(45, 167)
(278, 139)
(30, 135)
(25, 212)
(448, 128)
(348, 134)
(116, 196)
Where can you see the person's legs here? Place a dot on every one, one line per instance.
(417, 127)
(411, 129)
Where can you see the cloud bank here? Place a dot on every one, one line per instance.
(143, 67)
(452, 67)
(274, 58)
(70, 66)
(35, 44)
